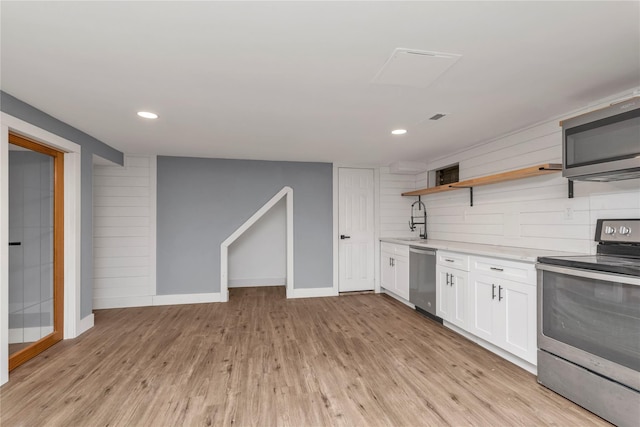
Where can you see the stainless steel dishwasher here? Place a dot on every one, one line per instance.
(422, 280)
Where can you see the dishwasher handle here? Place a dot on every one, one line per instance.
(422, 251)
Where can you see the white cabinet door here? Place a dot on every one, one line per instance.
(452, 295)
(401, 265)
(518, 315)
(458, 298)
(443, 309)
(387, 272)
(503, 312)
(482, 318)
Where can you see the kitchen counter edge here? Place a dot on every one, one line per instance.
(504, 252)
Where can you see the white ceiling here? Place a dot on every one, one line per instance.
(292, 80)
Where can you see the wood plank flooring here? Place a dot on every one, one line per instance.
(263, 360)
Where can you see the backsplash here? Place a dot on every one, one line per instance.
(394, 208)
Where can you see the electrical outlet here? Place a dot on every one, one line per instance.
(568, 213)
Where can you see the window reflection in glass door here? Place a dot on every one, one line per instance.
(35, 249)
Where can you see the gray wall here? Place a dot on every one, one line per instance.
(202, 201)
(90, 146)
(259, 256)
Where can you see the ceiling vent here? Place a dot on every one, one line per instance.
(415, 68)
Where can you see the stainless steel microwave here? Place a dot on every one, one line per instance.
(603, 145)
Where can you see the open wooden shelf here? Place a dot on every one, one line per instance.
(528, 172)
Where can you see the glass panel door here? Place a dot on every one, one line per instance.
(35, 252)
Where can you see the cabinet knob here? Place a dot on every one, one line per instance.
(625, 231)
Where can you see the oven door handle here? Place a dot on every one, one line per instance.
(590, 274)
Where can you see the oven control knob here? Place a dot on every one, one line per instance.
(625, 231)
(609, 230)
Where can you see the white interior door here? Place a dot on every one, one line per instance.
(357, 229)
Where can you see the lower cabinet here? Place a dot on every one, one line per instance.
(452, 295)
(492, 299)
(394, 266)
(503, 313)
(452, 272)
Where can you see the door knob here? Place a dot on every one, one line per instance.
(342, 236)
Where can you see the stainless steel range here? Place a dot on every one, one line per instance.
(589, 324)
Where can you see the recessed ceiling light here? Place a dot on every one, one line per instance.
(399, 131)
(147, 115)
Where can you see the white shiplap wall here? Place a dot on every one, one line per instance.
(530, 213)
(124, 200)
(395, 209)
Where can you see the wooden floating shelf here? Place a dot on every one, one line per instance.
(528, 172)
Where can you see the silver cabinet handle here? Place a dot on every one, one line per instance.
(499, 293)
(493, 291)
(496, 269)
(449, 260)
(449, 279)
(393, 262)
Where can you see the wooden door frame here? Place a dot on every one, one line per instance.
(39, 346)
(336, 224)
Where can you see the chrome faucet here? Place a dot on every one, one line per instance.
(413, 222)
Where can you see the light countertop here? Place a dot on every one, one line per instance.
(505, 252)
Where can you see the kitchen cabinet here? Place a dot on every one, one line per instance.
(451, 293)
(502, 305)
(394, 269)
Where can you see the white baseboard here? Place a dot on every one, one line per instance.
(122, 302)
(86, 323)
(154, 300)
(313, 293)
(186, 299)
(251, 283)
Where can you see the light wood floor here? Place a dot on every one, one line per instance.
(361, 360)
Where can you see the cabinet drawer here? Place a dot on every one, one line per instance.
(453, 260)
(400, 250)
(513, 270)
